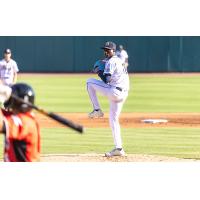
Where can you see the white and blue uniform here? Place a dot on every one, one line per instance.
(7, 71)
(116, 91)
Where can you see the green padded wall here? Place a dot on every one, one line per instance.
(78, 53)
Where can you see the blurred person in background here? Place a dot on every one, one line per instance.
(8, 69)
(123, 55)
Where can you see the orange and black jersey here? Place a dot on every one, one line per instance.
(22, 137)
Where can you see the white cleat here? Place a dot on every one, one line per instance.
(96, 114)
(115, 152)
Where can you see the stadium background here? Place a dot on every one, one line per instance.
(78, 53)
(172, 96)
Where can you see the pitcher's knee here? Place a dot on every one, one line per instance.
(90, 81)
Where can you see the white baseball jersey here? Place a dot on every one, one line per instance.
(122, 55)
(7, 70)
(119, 75)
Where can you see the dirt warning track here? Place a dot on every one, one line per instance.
(127, 120)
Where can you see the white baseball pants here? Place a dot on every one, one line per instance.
(116, 98)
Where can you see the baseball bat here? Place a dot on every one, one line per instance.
(58, 118)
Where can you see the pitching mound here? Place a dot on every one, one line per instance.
(128, 120)
(102, 158)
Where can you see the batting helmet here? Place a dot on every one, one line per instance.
(23, 91)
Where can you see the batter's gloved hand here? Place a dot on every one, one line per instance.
(99, 66)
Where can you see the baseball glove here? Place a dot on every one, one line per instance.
(99, 66)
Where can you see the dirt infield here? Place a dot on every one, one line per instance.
(128, 120)
(102, 158)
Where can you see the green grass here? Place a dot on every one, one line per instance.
(175, 142)
(147, 94)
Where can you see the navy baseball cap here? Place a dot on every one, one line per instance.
(7, 51)
(110, 46)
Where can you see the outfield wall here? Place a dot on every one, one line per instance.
(78, 54)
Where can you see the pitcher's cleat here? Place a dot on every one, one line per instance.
(115, 152)
(96, 114)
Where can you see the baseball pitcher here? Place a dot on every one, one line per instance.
(114, 84)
